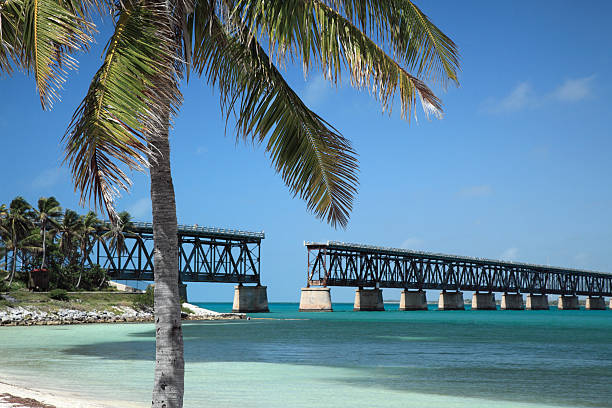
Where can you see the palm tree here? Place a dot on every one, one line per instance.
(87, 227)
(3, 250)
(68, 233)
(117, 232)
(48, 212)
(124, 119)
(16, 229)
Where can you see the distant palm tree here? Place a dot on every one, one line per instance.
(16, 231)
(87, 227)
(118, 231)
(126, 114)
(3, 214)
(47, 214)
(67, 230)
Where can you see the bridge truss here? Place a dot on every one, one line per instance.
(342, 264)
(205, 254)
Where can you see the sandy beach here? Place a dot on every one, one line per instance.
(18, 396)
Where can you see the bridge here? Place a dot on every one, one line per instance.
(371, 268)
(205, 255)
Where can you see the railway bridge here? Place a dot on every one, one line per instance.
(371, 268)
(205, 255)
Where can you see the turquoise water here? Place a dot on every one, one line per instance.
(340, 359)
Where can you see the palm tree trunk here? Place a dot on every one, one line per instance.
(169, 362)
(82, 266)
(14, 268)
(44, 248)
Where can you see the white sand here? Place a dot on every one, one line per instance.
(58, 399)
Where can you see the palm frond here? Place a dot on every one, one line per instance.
(10, 41)
(314, 160)
(321, 36)
(401, 26)
(107, 129)
(52, 31)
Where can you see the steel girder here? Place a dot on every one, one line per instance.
(336, 264)
(230, 259)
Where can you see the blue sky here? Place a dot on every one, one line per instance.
(517, 169)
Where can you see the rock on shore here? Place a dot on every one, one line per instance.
(31, 316)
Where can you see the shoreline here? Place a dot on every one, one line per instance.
(33, 316)
(14, 395)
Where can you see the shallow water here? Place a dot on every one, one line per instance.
(362, 359)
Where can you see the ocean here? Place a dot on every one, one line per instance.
(341, 359)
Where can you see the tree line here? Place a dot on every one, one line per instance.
(56, 241)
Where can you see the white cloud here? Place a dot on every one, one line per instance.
(524, 96)
(573, 90)
(412, 243)
(49, 178)
(519, 98)
(141, 208)
(475, 191)
(509, 254)
(317, 89)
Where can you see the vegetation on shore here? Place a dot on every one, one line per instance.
(82, 301)
(47, 237)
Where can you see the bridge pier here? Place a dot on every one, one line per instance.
(512, 301)
(595, 303)
(250, 299)
(183, 292)
(314, 299)
(413, 300)
(451, 301)
(537, 302)
(369, 300)
(569, 302)
(483, 301)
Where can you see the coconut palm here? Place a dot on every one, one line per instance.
(16, 232)
(47, 214)
(87, 227)
(67, 230)
(389, 47)
(117, 232)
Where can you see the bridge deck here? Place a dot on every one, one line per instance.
(342, 264)
(205, 254)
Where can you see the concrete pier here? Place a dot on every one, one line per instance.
(250, 299)
(512, 301)
(595, 303)
(413, 300)
(568, 303)
(537, 302)
(183, 292)
(483, 301)
(451, 301)
(315, 300)
(368, 300)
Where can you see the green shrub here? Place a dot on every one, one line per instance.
(186, 310)
(145, 300)
(93, 277)
(59, 294)
(3, 286)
